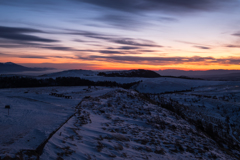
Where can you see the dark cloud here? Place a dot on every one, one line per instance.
(233, 46)
(78, 40)
(110, 52)
(25, 56)
(88, 50)
(125, 48)
(131, 22)
(20, 34)
(160, 5)
(11, 46)
(168, 19)
(236, 34)
(129, 43)
(5, 43)
(135, 42)
(160, 60)
(60, 48)
(4, 29)
(31, 56)
(2, 54)
(34, 56)
(145, 50)
(89, 34)
(185, 42)
(83, 41)
(202, 47)
(22, 37)
(192, 43)
(229, 61)
(136, 10)
(113, 39)
(164, 60)
(24, 44)
(63, 66)
(196, 45)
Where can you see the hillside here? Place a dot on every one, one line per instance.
(71, 73)
(131, 73)
(35, 113)
(94, 122)
(123, 124)
(165, 84)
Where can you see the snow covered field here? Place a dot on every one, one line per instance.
(215, 106)
(148, 85)
(161, 85)
(123, 125)
(113, 123)
(34, 114)
(216, 101)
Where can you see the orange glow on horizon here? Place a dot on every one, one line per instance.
(103, 65)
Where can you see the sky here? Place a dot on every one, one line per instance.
(121, 34)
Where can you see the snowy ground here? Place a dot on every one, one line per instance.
(218, 102)
(161, 85)
(216, 105)
(148, 85)
(115, 123)
(34, 114)
(123, 125)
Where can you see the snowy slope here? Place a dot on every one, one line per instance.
(122, 124)
(217, 103)
(34, 114)
(161, 85)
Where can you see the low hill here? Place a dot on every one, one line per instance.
(131, 73)
(72, 73)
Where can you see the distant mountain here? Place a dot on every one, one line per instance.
(131, 73)
(12, 67)
(174, 72)
(209, 74)
(223, 77)
(72, 73)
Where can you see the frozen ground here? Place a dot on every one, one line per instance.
(34, 114)
(162, 85)
(214, 107)
(120, 124)
(220, 102)
(123, 125)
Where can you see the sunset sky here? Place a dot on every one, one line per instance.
(121, 34)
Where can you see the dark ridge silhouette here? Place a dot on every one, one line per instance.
(131, 73)
(12, 67)
(26, 82)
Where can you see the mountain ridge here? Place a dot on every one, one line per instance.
(12, 67)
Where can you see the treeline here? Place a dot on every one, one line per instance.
(25, 82)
